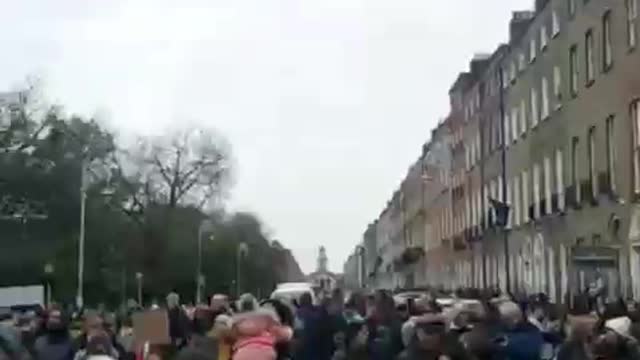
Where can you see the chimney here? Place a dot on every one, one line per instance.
(479, 63)
(518, 25)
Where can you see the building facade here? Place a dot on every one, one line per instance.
(548, 123)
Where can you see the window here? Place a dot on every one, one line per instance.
(543, 38)
(607, 51)
(632, 15)
(521, 62)
(588, 57)
(559, 179)
(574, 168)
(557, 86)
(635, 119)
(525, 195)
(503, 78)
(534, 107)
(545, 98)
(572, 7)
(611, 153)
(573, 70)
(532, 49)
(516, 201)
(523, 114)
(512, 74)
(514, 122)
(507, 130)
(591, 147)
(536, 190)
(547, 184)
(555, 23)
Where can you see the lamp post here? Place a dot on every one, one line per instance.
(242, 252)
(139, 278)
(48, 273)
(205, 226)
(81, 237)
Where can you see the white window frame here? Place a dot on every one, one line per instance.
(557, 86)
(560, 179)
(525, 195)
(511, 204)
(514, 123)
(507, 129)
(536, 190)
(545, 99)
(593, 169)
(532, 49)
(575, 168)
(516, 198)
(574, 70)
(555, 23)
(611, 151)
(534, 107)
(632, 16)
(544, 38)
(547, 185)
(635, 120)
(607, 47)
(521, 62)
(589, 50)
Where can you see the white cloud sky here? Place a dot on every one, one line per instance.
(326, 102)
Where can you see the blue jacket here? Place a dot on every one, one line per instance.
(523, 343)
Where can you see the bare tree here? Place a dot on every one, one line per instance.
(185, 167)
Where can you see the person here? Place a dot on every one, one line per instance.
(221, 332)
(307, 329)
(429, 341)
(284, 349)
(201, 325)
(10, 345)
(99, 347)
(257, 333)
(578, 330)
(384, 329)
(477, 344)
(519, 339)
(219, 304)
(178, 321)
(614, 341)
(56, 343)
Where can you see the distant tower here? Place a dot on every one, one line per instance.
(322, 260)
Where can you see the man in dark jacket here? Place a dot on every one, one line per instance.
(519, 340)
(56, 343)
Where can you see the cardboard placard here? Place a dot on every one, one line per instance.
(151, 326)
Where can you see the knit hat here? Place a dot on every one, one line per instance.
(620, 325)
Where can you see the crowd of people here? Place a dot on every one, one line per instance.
(373, 326)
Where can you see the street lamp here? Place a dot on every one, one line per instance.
(242, 252)
(139, 277)
(81, 237)
(48, 273)
(206, 225)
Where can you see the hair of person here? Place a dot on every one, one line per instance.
(305, 300)
(284, 312)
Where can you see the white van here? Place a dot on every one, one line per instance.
(291, 292)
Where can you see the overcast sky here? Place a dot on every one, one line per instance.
(326, 102)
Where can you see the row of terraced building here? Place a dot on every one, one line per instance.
(549, 124)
